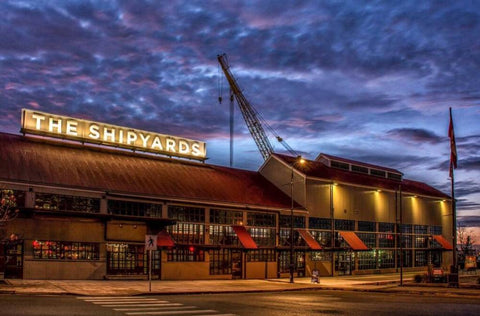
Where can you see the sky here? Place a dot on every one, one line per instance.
(365, 80)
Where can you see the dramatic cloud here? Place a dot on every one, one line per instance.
(370, 81)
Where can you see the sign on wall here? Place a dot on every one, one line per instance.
(45, 124)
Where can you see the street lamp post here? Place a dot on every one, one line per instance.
(298, 160)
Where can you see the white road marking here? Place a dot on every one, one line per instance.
(145, 305)
(174, 312)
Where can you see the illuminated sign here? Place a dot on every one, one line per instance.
(45, 124)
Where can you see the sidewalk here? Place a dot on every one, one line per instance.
(373, 283)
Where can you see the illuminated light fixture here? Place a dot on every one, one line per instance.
(334, 183)
(378, 191)
(442, 201)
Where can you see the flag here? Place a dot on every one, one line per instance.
(453, 147)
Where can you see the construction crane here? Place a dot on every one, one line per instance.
(251, 116)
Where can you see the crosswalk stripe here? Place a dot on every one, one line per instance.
(144, 305)
(174, 312)
(153, 308)
(125, 302)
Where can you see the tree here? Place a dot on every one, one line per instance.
(8, 209)
(465, 239)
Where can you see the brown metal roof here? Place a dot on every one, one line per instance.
(318, 170)
(358, 163)
(62, 164)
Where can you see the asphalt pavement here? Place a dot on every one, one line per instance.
(468, 286)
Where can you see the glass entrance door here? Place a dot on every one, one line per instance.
(343, 263)
(236, 264)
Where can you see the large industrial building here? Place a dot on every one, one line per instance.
(87, 210)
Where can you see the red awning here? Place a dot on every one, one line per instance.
(311, 242)
(443, 242)
(164, 239)
(244, 237)
(353, 241)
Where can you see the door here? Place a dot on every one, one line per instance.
(343, 263)
(13, 259)
(237, 264)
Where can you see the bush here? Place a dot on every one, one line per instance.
(418, 278)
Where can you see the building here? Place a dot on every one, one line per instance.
(86, 212)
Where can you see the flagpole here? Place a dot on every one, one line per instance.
(453, 280)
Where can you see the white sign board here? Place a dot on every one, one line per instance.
(150, 242)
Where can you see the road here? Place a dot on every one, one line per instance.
(264, 304)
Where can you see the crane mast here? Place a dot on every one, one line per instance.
(248, 113)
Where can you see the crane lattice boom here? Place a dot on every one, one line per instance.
(248, 113)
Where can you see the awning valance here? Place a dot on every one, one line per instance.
(311, 242)
(443, 242)
(245, 239)
(164, 239)
(353, 241)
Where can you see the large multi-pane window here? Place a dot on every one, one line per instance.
(436, 230)
(285, 239)
(65, 250)
(261, 219)
(56, 202)
(284, 261)
(421, 241)
(319, 223)
(386, 227)
(344, 224)
(130, 259)
(420, 258)
(223, 235)
(286, 221)
(321, 256)
(261, 255)
(220, 261)
(367, 260)
(179, 254)
(386, 240)
(187, 233)
(186, 213)
(369, 239)
(190, 227)
(386, 259)
(225, 217)
(366, 226)
(130, 208)
(262, 236)
(324, 238)
(406, 258)
(420, 229)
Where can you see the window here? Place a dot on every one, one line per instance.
(187, 233)
(339, 165)
(386, 259)
(128, 208)
(366, 226)
(406, 241)
(261, 219)
(321, 256)
(319, 223)
(324, 238)
(220, 261)
(386, 227)
(65, 250)
(262, 236)
(386, 240)
(436, 230)
(284, 261)
(131, 259)
(406, 258)
(359, 169)
(421, 241)
(377, 173)
(223, 235)
(284, 238)
(367, 260)
(394, 176)
(369, 239)
(226, 217)
(181, 254)
(420, 258)
(420, 229)
(186, 213)
(262, 255)
(298, 221)
(406, 228)
(56, 202)
(344, 224)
